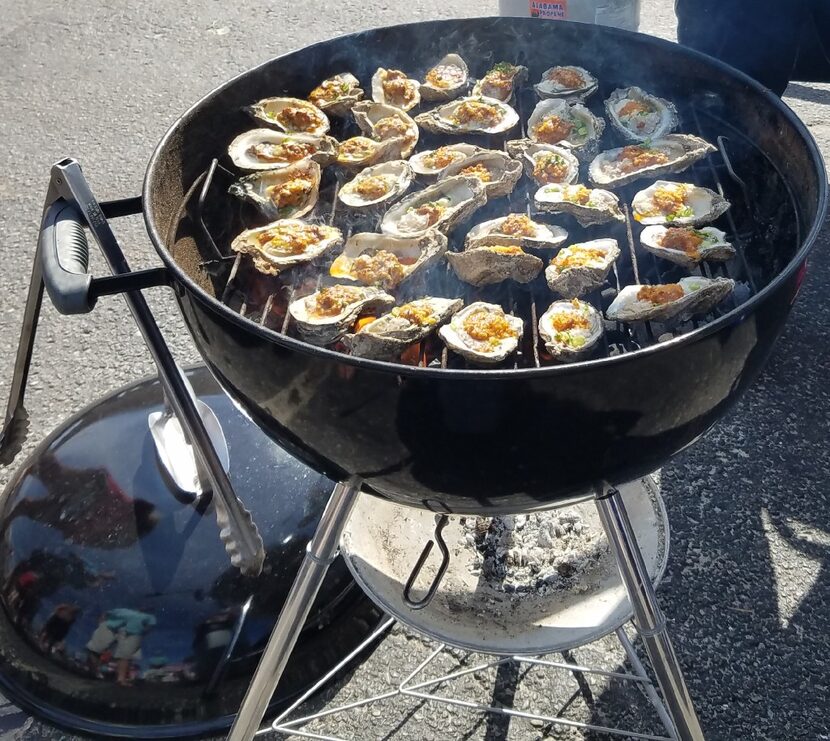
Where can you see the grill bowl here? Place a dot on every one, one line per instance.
(511, 439)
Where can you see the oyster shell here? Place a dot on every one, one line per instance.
(488, 351)
(393, 87)
(485, 265)
(383, 122)
(566, 81)
(573, 126)
(501, 81)
(714, 246)
(266, 149)
(381, 183)
(545, 163)
(581, 268)
(446, 80)
(679, 204)
(387, 261)
(291, 115)
(360, 151)
(441, 206)
(388, 336)
(671, 154)
(281, 194)
(282, 244)
(580, 328)
(336, 95)
(640, 116)
(498, 171)
(473, 115)
(699, 295)
(435, 161)
(588, 206)
(326, 315)
(518, 229)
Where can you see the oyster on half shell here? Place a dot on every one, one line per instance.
(281, 194)
(570, 329)
(482, 333)
(497, 171)
(640, 116)
(442, 206)
(377, 184)
(691, 295)
(687, 246)
(517, 229)
(386, 337)
(326, 315)
(569, 125)
(386, 261)
(679, 204)
(566, 81)
(266, 149)
(446, 80)
(395, 88)
(473, 115)
(336, 95)
(588, 206)
(671, 154)
(384, 122)
(291, 115)
(282, 244)
(501, 81)
(433, 162)
(360, 151)
(581, 268)
(488, 264)
(545, 163)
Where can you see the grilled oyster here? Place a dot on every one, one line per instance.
(282, 244)
(501, 81)
(497, 171)
(281, 194)
(570, 329)
(381, 183)
(692, 295)
(566, 81)
(291, 115)
(388, 336)
(482, 333)
(680, 204)
(545, 163)
(687, 246)
(640, 116)
(581, 268)
(443, 206)
(435, 161)
(485, 265)
(393, 87)
(671, 154)
(379, 259)
(446, 80)
(360, 151)
(383, 122)
(588, 206)
(555, 121)
(517, 229)
(336, 95)
(473, 115)
(266, 149)
(326, 315)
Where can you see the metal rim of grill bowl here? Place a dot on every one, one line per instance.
(691, 336)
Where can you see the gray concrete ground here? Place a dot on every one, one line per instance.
(746, 592)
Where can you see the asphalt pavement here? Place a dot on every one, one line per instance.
(746, 590)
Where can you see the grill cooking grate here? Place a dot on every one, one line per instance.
(264, 299)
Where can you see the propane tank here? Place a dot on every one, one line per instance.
(620, 13)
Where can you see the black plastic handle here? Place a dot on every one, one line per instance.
(64, 254)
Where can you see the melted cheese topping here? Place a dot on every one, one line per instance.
(285, 152)
(683, 240)
(291, 238)
(419, 313)
(299, 118)
(578, 255)
(444, 76)
(550, 168)
(442, 157)
(566, 78)
(356, 148)
(669, 201)
(291, 193)
(332, 300)
(635, 157)
(658, 295)
(329, 91)
(372, 187)
(634, 108)
(398, 89)
(476, 112)
(498, 82)
(381, 268)
(478, 170)
(517, 224)
(577, 194)
(488, 327)
(432, 211)
(504, 249)
(553, 129)
(390, 127)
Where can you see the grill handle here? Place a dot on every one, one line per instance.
(64, 252)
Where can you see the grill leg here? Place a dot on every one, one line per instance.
(651, 623)
(320, 553)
